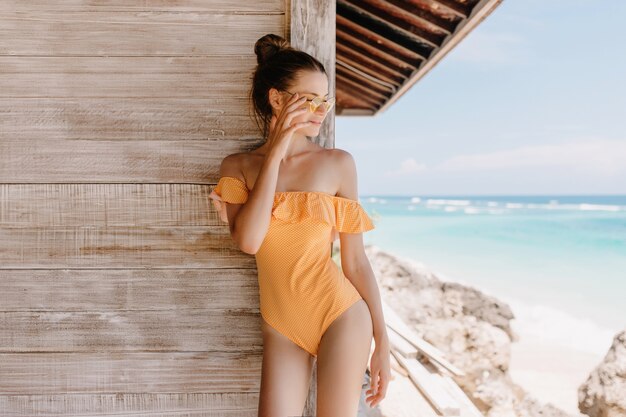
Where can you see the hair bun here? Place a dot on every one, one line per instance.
(268, 45)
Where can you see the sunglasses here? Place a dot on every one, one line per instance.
(318, 101)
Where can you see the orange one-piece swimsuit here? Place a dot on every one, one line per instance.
(301, 289)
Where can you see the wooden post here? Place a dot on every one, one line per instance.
(312, 27)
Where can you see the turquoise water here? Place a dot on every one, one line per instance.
(566, 252)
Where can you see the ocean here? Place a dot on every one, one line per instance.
(560, 258)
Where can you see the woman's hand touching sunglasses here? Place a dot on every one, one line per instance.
(318, 101)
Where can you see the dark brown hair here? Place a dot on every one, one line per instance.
(278, 66)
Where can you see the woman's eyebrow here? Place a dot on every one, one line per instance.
(308, 92)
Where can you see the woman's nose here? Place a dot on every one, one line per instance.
(321, 109)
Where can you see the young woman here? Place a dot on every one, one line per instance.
(286, 202)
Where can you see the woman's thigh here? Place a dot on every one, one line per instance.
(285, 375)
(342, 361)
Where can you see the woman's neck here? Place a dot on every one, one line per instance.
(299, 144)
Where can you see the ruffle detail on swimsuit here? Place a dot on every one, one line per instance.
(344, 214)
(228, 190)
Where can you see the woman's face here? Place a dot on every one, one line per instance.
(309, 85)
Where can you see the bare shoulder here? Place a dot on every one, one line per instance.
(342, 161)
(233, 165)
(344, 167)
(242, 165)
(334, 160)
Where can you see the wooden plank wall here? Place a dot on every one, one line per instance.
(121, 293)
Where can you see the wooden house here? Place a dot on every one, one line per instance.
(121, 292)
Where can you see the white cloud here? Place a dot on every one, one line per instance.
(603, 157)
(407, 167)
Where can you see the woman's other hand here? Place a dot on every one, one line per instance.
(380, 374)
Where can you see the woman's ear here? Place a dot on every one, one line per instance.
(275, 99)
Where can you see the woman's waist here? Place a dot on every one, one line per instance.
(292, 252)
(294, 268)
(289, 262)
(295, 282)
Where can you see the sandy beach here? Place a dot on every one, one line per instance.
(552, 374)
(555, 353)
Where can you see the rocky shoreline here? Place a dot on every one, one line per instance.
(474, 330)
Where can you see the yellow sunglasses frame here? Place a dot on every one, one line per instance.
(318, 101)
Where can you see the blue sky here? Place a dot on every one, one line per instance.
(532, 101)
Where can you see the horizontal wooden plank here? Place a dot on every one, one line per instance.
(468, 408)
(120, 247)
(108, 290)
(105, 205)
(193, 404)
(393, 320)
(260, 6)
(401, 345)
(123, 33)
(440, 398)
(397, 368)
(126, 118)
(91, 161)
(147, 373)
(124, 77)
(231, 330)
(183, 404)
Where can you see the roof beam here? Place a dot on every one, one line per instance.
(384, 90)
(383, 76)
(391, 71)
(353, 111)
(424, 15)
(377, 97)
(376, 53)
(358, 90)
(461, 10)
(383, 29)
(377, 41)
(399, 24)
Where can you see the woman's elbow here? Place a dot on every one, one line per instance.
(356, 267)
(247, 241)
(245, 245)
(249, 249)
